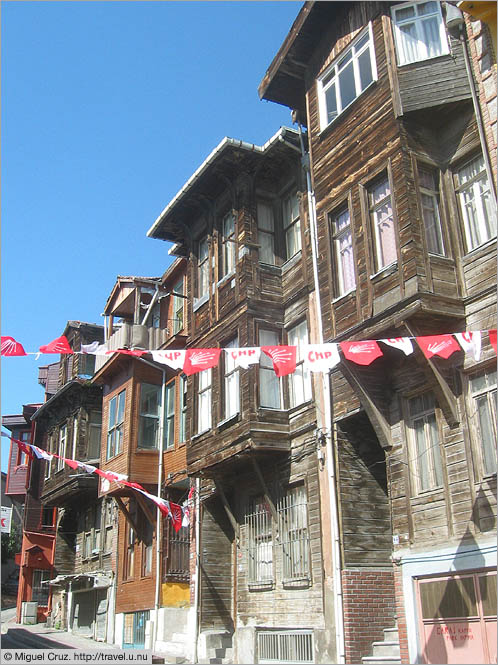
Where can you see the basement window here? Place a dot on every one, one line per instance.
(285, 646)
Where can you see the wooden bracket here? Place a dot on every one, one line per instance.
(445, 397)
(266, 494)
(127, 515)
(146, 510)
(377, 418)
(228, 510)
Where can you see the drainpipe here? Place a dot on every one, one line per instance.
(159, 530)
(197, 566)
(334, 515)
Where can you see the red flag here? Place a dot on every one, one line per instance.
(176, 515)
(135, 486)
(25, 448)
(197, 360)
(129, 352)
(438, 345)
(361, 353)
(59, 345)
(11, 348)
(492, 338)
(283, 357)
(71, 462)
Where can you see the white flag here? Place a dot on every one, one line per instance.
(245, 356)
(320, 357)
(95, 348)
(402, 343)
(174, 358)
(470, 343)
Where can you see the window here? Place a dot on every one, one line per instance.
(109, 525)
(155, 315)
(231, 383)
(176, 551)
(115, 425)
(429, 201)
(419, 32)
(62, 447)
(92, 531)
(381, 214)
(285, 646)
(266, 234)
(150, 405)
(228, 245)
(476, 204)
(203, 270)
(259, 543)
(50, 449)
(94, 434)
(169, 416)
(40, 588)
(48, 518)
(269, 384)
(342, 238)
(130, 538)
(148, 535)
(293, 517)
(86, 365)
(292, 225)
(348, 76)
(427, 465)
(204, 401)
(178, 304)
(483, 419)
(21, 459)
(300, 379)
(183, 408)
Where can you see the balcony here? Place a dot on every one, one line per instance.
(130, 335)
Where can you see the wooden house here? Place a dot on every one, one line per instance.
(144, 438)
(402, 174)
(241, 220)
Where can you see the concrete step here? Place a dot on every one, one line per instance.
(380, 660)
(385, 648)
(391, 634)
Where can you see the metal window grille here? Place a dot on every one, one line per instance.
(134, 629)
(177, 561)
(294, 534)
(40, 589)
(259, 543)
(285, 646)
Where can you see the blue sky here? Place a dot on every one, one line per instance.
(107, 109)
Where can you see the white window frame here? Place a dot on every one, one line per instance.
(472, 196)
(204, 387)
(429, 207)
(149, 416)
(169, 415)
(178, 307)
(291, 225)
(484, 396)
(228, 245)
(266, 233)
(231, 383)
(330, 79)
(202, 270)
(342, 239)
(267, 373)
(50, 449)
(300, 390)
(115, 425)
(381, 261)
(426, 456)
(422, 51)
(182, 435)
(62, 447)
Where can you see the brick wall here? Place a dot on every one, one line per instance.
(369, 607)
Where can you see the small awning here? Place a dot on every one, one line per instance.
(100, 580)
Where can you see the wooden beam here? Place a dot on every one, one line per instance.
(127, 515)
(228, 510)
(444, 395)
(266, 494)
(145, 508)
(377, 418)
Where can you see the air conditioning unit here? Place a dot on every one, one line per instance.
(29, 613)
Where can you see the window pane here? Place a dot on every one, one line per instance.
(331, 103)
(435, 451)
(347, 85)
(112, 412)
(121, 406)
(269, 383)
(409, 43)
(422, 458)
(432, 39)
(365, 65)
(488, 437)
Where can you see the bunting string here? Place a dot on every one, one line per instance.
(179, 515)
(315, 357)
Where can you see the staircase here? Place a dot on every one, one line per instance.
(215, 647)
(385, 652)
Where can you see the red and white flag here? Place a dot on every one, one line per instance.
(245, 356)
(492, 338)
(321, 357)
(42, 454)
(438, 345)
(402, 343)
(129, 352)
(470, 343)
(95, 348)
(186, 515)
(9, 347)
(71, 462)
(162, 504)
(176, 516)
(25, 448)
(283, 357)
(89, 468)
(59, 345)
(361, 353)
(197, 360)
(174, 358)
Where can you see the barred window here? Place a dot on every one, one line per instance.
(40, 589)
(294, 534)
(259, 543)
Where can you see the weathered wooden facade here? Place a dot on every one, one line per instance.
(406, 216)
(144, 418)
(242, 222)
